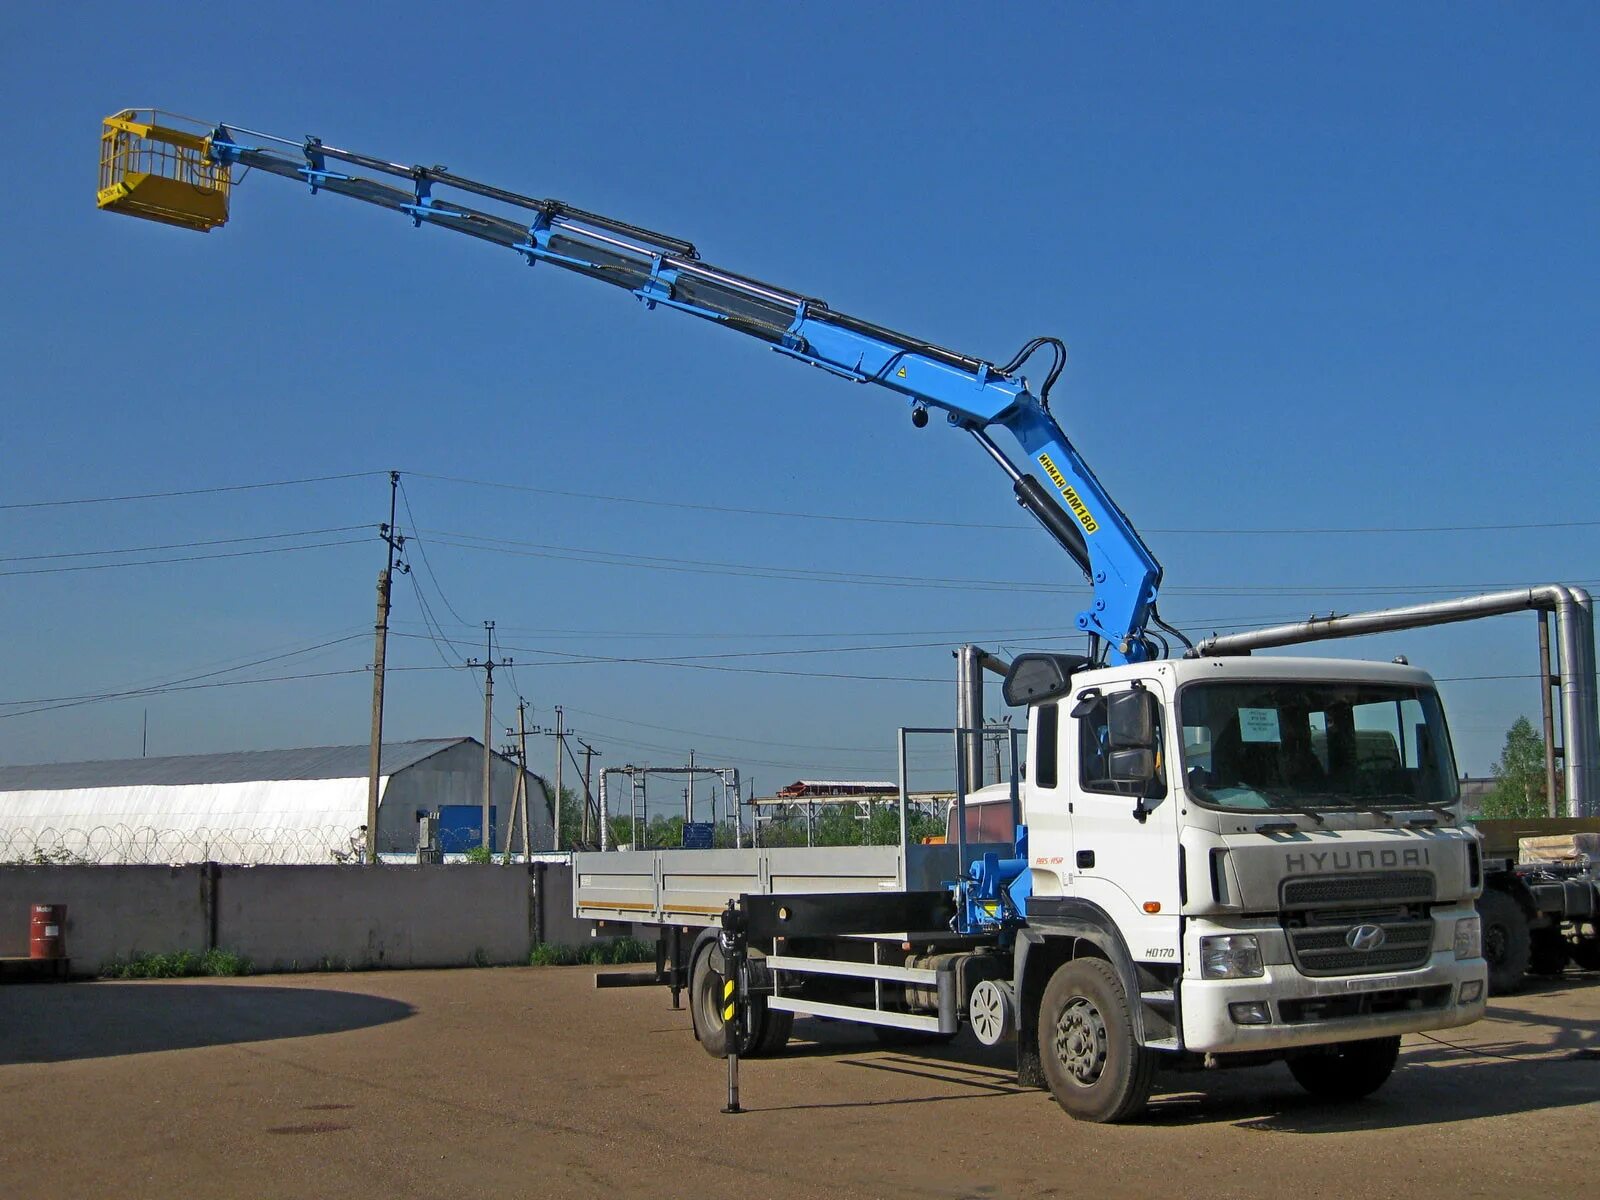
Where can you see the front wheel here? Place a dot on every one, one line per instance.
(1096, 1069)
(1506, 942)
(1348, 1070)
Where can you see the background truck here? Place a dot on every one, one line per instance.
(1540, 916)
(1213, 859)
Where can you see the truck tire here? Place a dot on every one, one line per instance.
(1549, 952)
(705, 994)
(775, 1029)
(1095, 1066)
(1506, 942)
(767, 1033)
(1586, 953)
(1348, 1070)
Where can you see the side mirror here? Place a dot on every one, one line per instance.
(1131, 720)
(1131, 766)
(1036, 678)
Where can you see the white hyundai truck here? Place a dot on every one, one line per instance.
(1218, 862)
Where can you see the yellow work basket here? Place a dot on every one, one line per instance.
(160, 172)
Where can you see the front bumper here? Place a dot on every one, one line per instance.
(1314, 1011)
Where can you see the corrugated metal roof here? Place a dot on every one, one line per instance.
(240, 766)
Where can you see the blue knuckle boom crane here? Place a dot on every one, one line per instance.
(1217, 860)
(183, 177)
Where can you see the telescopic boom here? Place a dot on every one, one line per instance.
(183, 177)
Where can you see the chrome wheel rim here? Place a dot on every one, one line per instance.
(1080, 1041)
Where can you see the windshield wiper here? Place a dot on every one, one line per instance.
(1283, 802)
(1344, 802)
(1440, 812)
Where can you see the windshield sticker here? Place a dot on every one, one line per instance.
(1259, 725)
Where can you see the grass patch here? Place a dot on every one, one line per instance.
(597, 954)
(181, 964)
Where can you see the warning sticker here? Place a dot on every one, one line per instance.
(1259, 725)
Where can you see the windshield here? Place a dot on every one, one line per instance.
(1295, 744)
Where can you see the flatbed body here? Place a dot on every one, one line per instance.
(693, 887)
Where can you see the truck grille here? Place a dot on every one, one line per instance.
(1320, 914)
(1391, 887)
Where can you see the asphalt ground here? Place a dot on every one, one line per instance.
(529, 1082)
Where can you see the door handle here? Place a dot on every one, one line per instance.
(1085, 859)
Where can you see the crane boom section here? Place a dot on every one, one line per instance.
(667, 272)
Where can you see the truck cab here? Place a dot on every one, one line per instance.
(1265, 850)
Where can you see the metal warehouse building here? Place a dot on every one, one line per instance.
(278, 806)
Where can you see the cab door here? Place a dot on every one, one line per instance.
(1049, 808)
(1124, 836)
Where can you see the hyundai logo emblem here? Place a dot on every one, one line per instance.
(1365, 937)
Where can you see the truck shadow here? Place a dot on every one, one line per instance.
(73, 1021)
(1529, 1061)
(1519, 1060)
(1267, 1099)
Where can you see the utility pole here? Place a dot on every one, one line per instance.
(488, 664)
(561, 746)
(522, 739)
(509, 749)
(580, 836)
(688, 794)
(395, 542)
(588, 794)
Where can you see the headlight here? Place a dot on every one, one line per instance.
(1230, 956)
(1469, 938)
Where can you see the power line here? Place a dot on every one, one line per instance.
(143, 688)
(151, 562)
(967, 633)
(1269, 531)
(1075, 634)
(185, 684)
(233, 541)
(597, 659)
(437, 635)
(209, 491)
(427, 565)
(724, 635)
(872, 579)
(727, 737)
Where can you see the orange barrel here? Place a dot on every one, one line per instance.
(45, 939)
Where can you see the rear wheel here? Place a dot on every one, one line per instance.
(1348, 1070)
(766, 1033)
(1506, 943)
(775, 1029)
(1586, 953)
(1096, 1069)
(1549, 952)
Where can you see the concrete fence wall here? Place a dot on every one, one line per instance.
(299, 917)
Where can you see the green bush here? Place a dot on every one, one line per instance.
(480, 854)
(548, 954)
(597, 954)
(181, 964)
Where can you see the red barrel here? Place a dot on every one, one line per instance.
(45, 939)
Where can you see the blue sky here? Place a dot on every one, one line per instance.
(1317, 270)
